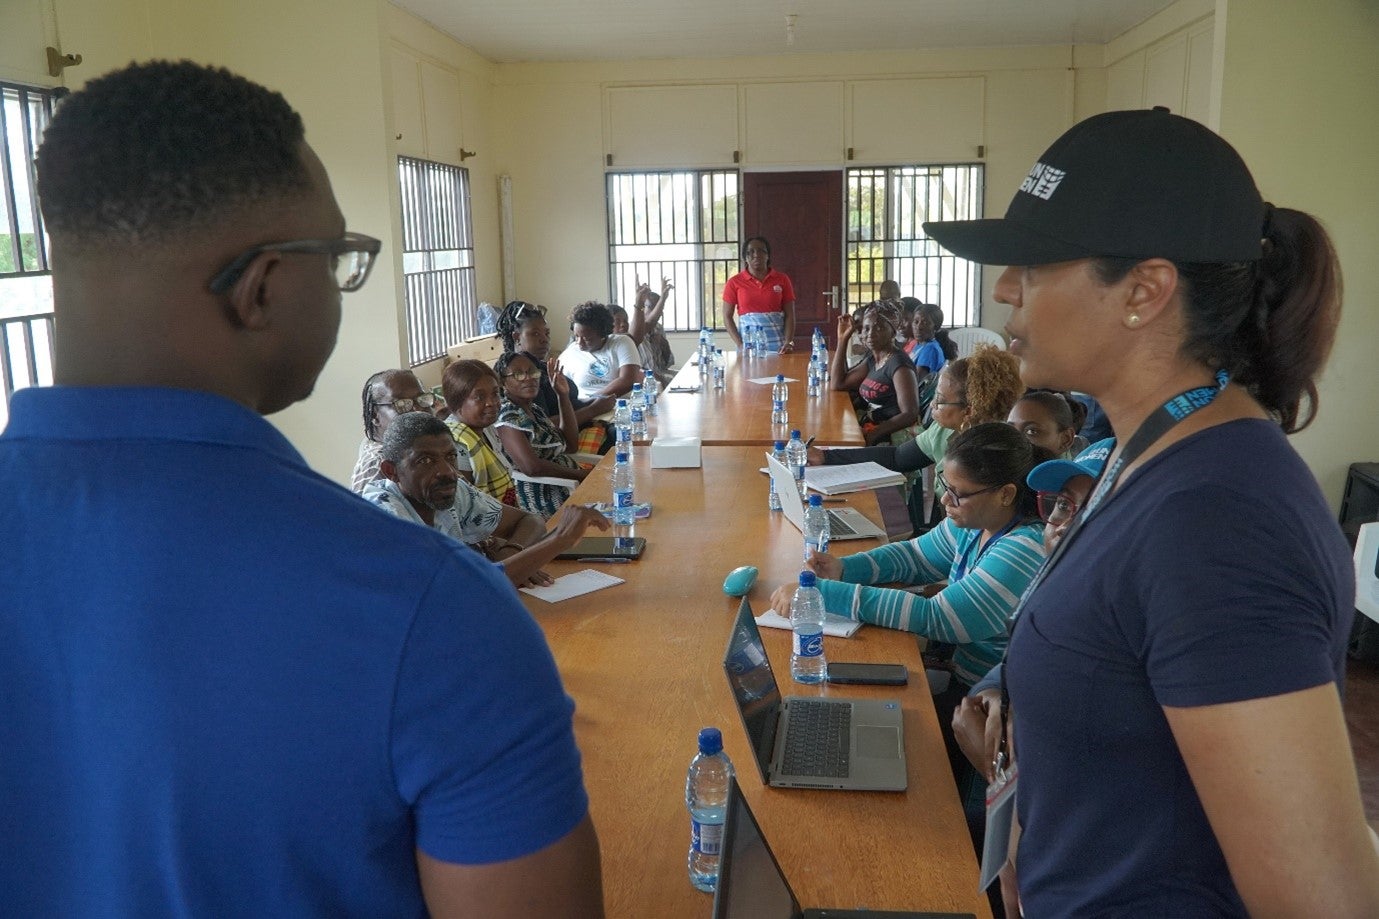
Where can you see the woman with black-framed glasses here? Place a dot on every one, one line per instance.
(987, 549)
(386, 395)
(532, 441)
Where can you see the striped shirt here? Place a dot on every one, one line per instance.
(972, 613)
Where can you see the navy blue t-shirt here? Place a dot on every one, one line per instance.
(1215, 574)
(232, 688)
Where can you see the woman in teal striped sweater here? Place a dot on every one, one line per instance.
(987, 549)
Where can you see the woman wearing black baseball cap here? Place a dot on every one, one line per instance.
(1174, 674)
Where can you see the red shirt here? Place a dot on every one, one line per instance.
(752, 296)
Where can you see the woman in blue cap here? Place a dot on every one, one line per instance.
(1173, 673)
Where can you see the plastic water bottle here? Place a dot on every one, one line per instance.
(652, 387)
(796, 458)
(705, 350)
(816, 530)
(814, 377)
(761, 343)
(637, 407)
(706, 796)
(807, 664)
(780, 401)
(719, 368)
(622, 427)
(624, 508)
(773, 499)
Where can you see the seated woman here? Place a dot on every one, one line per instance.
(387, 394)
(472, 393)
(988, 549)
(522, 327)
(884, 379)
(603, 364)
(646, 330)
(1051, 420)
(924, 348)
(531, 441)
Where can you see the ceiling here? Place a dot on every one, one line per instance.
(511, 31)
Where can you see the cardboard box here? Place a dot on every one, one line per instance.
(675, 453)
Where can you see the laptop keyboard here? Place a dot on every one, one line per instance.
(817, 739)
(837, 526)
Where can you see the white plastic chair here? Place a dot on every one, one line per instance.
(968, 337)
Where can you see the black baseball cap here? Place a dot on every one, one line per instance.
(1138, 184)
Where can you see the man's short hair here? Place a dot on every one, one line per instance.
(159, 148)
(405, 430)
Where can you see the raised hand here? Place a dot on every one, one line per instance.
(845, 326)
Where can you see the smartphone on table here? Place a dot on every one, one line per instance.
(869, 674)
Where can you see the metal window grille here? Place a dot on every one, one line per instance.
(886, 209)
(26, 290)
(437, 257)
(680, 225)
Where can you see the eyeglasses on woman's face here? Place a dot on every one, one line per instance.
(522, 376)
(1056, 507)
(948, 491)
(425, 401)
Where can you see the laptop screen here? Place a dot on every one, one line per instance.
(750, 883)
(754, 686)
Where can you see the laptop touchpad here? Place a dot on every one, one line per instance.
(878, 742)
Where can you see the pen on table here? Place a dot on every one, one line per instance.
(608, 561)
(809, 443)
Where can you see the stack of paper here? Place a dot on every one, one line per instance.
(838, 480)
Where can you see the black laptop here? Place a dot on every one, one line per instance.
(752, 886)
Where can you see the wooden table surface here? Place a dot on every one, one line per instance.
(643, 661)
(740, 413)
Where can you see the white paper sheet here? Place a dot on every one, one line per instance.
(771, 380)
(573, 585)
(837, 626)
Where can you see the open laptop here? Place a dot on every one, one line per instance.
(752, 886)
(843, 523)
(853, 744)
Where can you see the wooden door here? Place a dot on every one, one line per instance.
(801, 215)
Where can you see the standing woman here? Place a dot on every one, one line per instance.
(1174, 680)
(762, 298)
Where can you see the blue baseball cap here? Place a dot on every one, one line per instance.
(1054, 474)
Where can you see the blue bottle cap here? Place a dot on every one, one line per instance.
(622, 403)
(780, 445)
(780, 378)
(710, 741)
(794, 435)
(619, 457)
(806, 579)
(816, 500)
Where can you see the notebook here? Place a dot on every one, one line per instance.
(752, 886)
(853, 744)
(849, 477)
(843, 523)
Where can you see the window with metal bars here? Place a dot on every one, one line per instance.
(26, 287)
(437, 258)
(886, 209)
(679, 225)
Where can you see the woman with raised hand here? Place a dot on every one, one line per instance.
(1174, 677)
(531, 441)
(884, 379)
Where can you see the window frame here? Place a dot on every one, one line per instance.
(953, 283)
(440, 291)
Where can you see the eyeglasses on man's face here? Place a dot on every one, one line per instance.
(351, 259)
(948, 491)
(425, 401)
(1055, 507)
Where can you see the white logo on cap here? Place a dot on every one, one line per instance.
(1042, 181)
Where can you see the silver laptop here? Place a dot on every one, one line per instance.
(843, 523)
(752, 886)
(853, 744)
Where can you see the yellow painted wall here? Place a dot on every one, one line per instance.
(1300, 101)
(325, 57)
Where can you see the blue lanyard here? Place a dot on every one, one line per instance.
(961, 571)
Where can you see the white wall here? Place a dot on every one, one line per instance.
(1300, 102)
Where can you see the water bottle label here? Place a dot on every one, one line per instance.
(637, 416)
(624, 435)
(778, 405)
(809, 645)
(622, 499)
(707, 837)
(798, 472)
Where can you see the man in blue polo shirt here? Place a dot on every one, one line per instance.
(231, 687)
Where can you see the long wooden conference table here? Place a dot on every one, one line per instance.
(643, 662)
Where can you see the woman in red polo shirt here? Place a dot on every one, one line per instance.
(762, 299)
